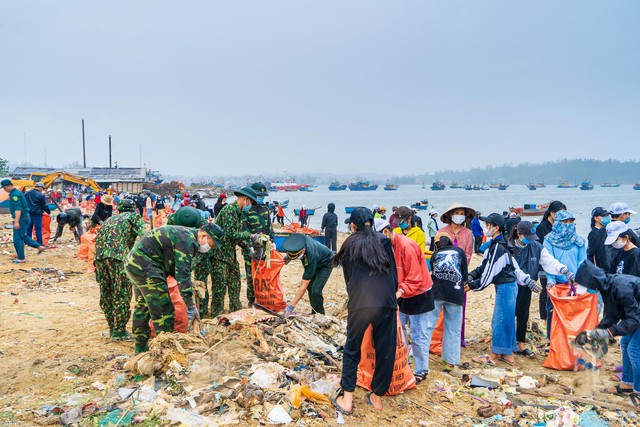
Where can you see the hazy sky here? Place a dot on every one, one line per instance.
(233, 87)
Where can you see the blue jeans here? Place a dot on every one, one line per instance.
(503, 323)
(20, 237)
(630, 346)
(451, 333)
(419, 342)
(36, 223)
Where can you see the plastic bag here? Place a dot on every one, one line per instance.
(180, 320)
(266, 282)
(86, 240)
(436, 336)
(403, 378)
(297, 392)
(46, 229)
(572, 314)
(157, 220)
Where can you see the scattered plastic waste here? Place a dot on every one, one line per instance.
(527, 382)
(279, 416)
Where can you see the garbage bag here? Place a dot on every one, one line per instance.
(86, 240)
(572, 314)
(266, 282)
(180, 320)
(436, 336)
(46, 229)
(403, 378)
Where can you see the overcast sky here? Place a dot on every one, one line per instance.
(233, 87)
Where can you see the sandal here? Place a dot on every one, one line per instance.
(19, 261)
(527, 353)
(368, 397)
(484, 360)
(619, 391)
(446, 367)
(421, 376)
(339, 408)
(635, 398)
(502, 358)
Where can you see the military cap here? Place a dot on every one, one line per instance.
(187, 216)
(247, 192)
(214, 230)
(5, 183)
(293, 244)
(260, 189)
(126, 205)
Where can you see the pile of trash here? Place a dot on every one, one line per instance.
(243, 366)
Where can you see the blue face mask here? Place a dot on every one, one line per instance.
(525, 241)
(403, 225)
(246, 208)
(628, 220)
(605, 220)
(260, 199)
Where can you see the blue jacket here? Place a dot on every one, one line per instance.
(572, 258)
(37, 203)
(476, 228)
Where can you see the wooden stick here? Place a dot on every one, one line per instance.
(215, 345)
(430, 411)
(582, 400)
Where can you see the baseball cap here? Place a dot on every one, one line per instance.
(527, 230)
(402, 213)
(360, 216)
(39, 184)
(433, 212)
(494, 218)
(615, 229)
(5, 182)
(380, 224)
(599, 211)
(620, 208)
(562, 215)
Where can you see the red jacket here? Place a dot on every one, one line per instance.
(413, 275)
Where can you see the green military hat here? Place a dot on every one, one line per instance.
(6, 183)
(214, 230)
(187, 216)
(247, 192)
(293, 245)
(260, 189)
(126, 205)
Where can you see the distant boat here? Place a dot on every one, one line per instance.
(438, 186)
(532, 186)
(456, 186)
(540, 184)
(423, 187)
(468, 187)
(284, 204)
(503, 186)
(421, 205)
(336, 186)
(476, 187)
(610, 185)
(586, 185)
(349, 209)
(362, 186)
(530, 209)
(636, 186)
(485, 187)
(304, 188)
(566, 184)
(494, 185)
(310, 212)
(391, 187)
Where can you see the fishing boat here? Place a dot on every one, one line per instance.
(610, 185)
(485, 187)
(586, 184)
(391, 187)
(456, 186)
(304, 187)
(284, 204)
(494, 185)
(468, 187)
(530, 209)
(362, 186)
(310, 211)
(532, 186)
(438, 185)
(566, 184)
(286, 185)
(349, 209)
(636, 186)
(540, 184)
(476, 187)
(336, 186)
(280, 237)
(503, 186)
(422, 205)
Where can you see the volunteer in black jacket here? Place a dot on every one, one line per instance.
(37, 207)
(330, 228)
(621, 294)
(370, 275)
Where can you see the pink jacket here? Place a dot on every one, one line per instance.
(465, 239)
(413, 275)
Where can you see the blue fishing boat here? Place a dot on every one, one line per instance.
(284, 204)
(336, 186)
(586, 184)
(309, 211)
(391, 187)
(438, 186)
(279, 238)
(421, 205)
(362, 186)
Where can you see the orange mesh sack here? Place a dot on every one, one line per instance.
(180, 320)
(403, 378)
(266, 282)
(572, 314)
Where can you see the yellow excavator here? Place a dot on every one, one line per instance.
(48, 179)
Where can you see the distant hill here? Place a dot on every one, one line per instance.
(551, 173)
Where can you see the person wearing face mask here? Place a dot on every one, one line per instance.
(622, 238)
(257, 220)
(165, 251)
(565, 245)
(478, 234)
(600, 217)
(432, 228)
(406, 225)
(226, 271)
(317, 260)
(531, 257)
(621, 295)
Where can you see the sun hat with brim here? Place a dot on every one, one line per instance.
(5, 183)
(527, 230)
(215, 231)
(247, 192)
(614, 230)
(446, 216)
(260, 189)
(359, 217)
(563, 215)
(620, 208)
(107, 200)
(380, 224)
(494, 218)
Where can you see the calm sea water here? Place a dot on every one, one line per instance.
(579, 202)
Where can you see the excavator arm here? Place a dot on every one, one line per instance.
(48, 180)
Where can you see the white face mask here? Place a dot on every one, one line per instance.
(618, 244)
(204, 248)
(458, 219)
(489, 232)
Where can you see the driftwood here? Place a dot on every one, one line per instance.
(581, 400)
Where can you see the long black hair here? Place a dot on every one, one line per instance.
(630, 235)
(554, 207)
(365, 247)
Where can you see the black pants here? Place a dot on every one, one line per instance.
(542, 302)
(523, 303)
(384, 324)
(477, 242)
(280, 220)
(315, 288)
(331, 239)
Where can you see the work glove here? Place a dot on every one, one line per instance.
(192, 314)
(252, 252)
(288, 312)
(533, 285)
(255, 239)
(599, 335)
(582, 338)
(569, 275)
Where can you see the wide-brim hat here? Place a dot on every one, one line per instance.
(247, 192)
(107, 200)
(260, 189)
(293, 244)
(470, 213)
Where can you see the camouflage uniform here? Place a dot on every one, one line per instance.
(256, 220)
(202, 269)
(226, 271)
(165, 251)
(114, 241)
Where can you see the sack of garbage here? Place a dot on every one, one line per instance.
(180, 320)
(571, 314)
(87, 240)
(403, 378)
(266, 282)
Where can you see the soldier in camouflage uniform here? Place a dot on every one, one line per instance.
(226, 271)
(257, 220)
(114, 241)
(165, 251)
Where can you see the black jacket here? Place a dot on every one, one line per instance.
(37, 203)
(449, 266)
(529, 258)
(101, 213)
(74, 217)
(200, 204)
(627, 262)
(330, 219)
(497, 266)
